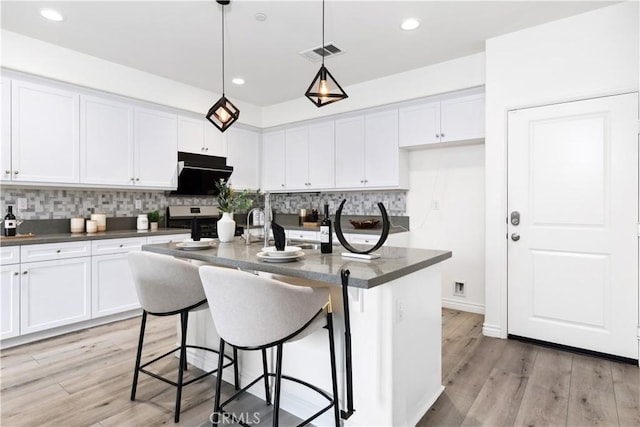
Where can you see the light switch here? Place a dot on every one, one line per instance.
(138, 204)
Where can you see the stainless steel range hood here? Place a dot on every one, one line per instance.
(198, 173)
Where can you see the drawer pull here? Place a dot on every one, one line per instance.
(58, 251)
(121, 245)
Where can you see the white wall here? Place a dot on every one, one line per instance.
(449, 76)
(587, 55)
(33, 56)
(446, 206)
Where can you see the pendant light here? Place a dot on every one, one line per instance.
(223, 113)
(324, 89)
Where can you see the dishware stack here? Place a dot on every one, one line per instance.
(288, 254)
(196, 245)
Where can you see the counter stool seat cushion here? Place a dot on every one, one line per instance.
(165, 284)
(275, 310)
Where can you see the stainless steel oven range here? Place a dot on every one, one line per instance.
(182, 216)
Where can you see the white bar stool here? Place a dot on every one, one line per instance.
(255, 313)
(167, 286)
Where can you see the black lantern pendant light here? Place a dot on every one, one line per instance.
(324, 89)
(223, 113)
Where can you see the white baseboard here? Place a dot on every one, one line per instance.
(425, 408)
(456, 304)
(494, 331)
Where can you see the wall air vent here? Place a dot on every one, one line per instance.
(315, 54)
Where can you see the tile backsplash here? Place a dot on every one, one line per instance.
(45, 203)
(358, 202)
(67, 203)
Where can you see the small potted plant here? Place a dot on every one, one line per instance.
(230, 201)
(153, 217)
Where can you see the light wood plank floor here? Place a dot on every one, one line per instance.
(84, 379)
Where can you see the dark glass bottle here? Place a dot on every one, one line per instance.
(10, 222)
(326, 235)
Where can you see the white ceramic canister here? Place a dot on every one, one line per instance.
(143, 222)
(77, 225)
(101, 220)
(92, 226)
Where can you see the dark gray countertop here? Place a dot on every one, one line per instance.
(393, 263)
(69, 237)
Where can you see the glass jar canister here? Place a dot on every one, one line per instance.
(142, 222)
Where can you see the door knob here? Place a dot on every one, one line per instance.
(515, 237)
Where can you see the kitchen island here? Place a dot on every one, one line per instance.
(395, 318)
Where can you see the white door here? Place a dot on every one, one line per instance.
(106, 142)
(156, 149)
(297, 158)
(273, 161)
(54, 293)
(243, 153)
(45, 133)
(322, 156)
(5, 129)
(573, 178)
(381, 150)
(9, 301)
(113, 289)
(350, 152)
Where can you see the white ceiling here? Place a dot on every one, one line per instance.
(180, 40)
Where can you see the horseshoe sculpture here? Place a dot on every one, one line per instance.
(383, 237)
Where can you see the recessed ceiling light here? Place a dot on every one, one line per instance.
(52, 15)
(260, 17)
(410, 24)
(238, 81)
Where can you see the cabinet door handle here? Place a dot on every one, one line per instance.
(15, 273)
(282, 185)
(133, 179)
(206, 149)
(15, 172)
(442, 135)
(7, 172)
(137, 179)
(24, 272)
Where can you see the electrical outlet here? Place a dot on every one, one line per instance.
(435, 205)
(22, 203)
(138, 204)
(458, 289)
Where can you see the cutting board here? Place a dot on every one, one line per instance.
(17, 236)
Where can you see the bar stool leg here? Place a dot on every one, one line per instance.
(267, 393)
(215, 419)
(276, 399)
(236, 376)
(183, 359)
(334, 376)
(138, 355)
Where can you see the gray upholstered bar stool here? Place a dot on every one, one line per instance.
(255, 313)
(167, 286)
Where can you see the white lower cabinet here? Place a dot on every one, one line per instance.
(9, 301)
(172, 238)
(306, 235)
(54, 293)
(112, 287)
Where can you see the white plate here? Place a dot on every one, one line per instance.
(288, 251)
(268, 258)
(188, 243)
(192, 246)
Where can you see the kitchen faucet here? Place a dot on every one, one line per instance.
(247, 235)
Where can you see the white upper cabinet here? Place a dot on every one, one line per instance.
(5, 135)
(462, 118)
(213, 140)
(350, 152)
(243, 153)
(273, 161)
(322, 156)
(459, 118)
(191, 135)
(367, 153)
(156, 149)
(297, 158)
(45, 140)
(106, 142)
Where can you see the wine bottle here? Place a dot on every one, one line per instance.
(326, 236)
(10, 222)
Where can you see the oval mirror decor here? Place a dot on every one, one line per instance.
(383, 237)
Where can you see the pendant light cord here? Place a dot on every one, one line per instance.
(323, 32)
(223, 50)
